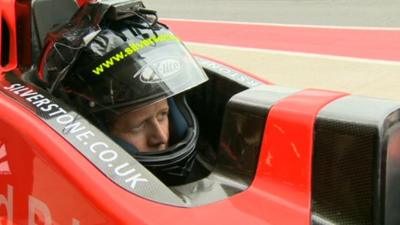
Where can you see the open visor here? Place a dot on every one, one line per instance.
(142, 72)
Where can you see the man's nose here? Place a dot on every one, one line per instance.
(158, 136)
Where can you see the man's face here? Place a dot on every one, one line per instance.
(146, 128)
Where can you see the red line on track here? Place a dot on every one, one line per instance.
(361, 43)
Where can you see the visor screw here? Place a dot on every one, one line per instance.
(92, 104)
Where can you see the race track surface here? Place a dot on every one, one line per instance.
(351, 46)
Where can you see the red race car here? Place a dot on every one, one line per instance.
(269, 154)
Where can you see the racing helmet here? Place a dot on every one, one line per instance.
(107, 58)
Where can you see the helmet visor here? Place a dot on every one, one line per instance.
(142, 72)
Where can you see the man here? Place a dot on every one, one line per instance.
(128, 75)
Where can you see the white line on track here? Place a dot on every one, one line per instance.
(286, 25)
(309, 55)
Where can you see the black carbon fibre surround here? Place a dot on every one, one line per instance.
(349, 161)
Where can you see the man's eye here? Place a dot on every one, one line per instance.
(137, 127)
(162, 115)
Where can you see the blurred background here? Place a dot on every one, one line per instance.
(342, 45)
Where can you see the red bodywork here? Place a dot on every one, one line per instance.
(44, 180)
